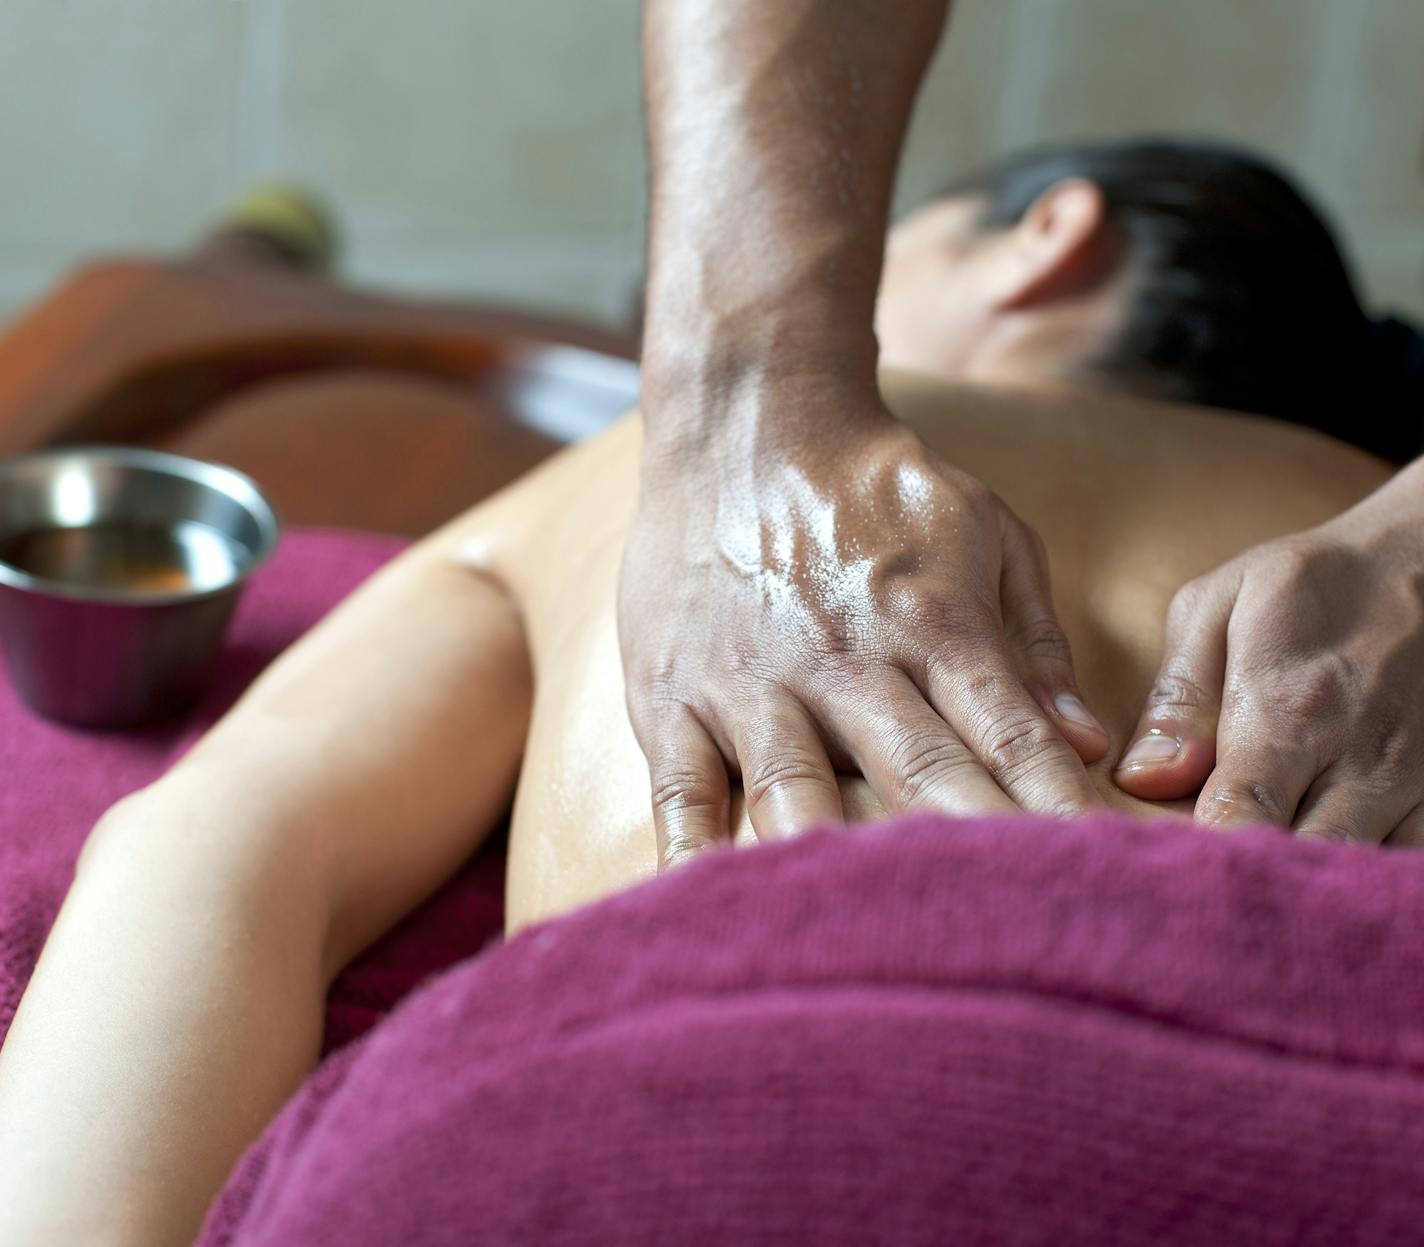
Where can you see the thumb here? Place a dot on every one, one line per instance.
(1173, 748)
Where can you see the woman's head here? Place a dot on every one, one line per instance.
(1177, 270)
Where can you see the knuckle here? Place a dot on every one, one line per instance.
(1174, 692)
(1312, 695)
(835, 648)
(657, 686)
(920, 762)
(958, 660)
(1297, 569)
(1235, 800)
(1016, 743)
(928, 606)
(944, 609)
(1043, 642)
(682, 789)
(835, 640)
(771, 775)
(1293, 562)
(652, 667)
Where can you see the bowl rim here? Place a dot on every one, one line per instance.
(236, 484)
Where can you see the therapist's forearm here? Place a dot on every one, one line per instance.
(774, 132)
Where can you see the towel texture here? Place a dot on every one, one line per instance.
(994, 1031)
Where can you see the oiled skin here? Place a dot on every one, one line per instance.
(178, 1001)
(1132, 499)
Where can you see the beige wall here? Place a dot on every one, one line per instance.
(492, 147)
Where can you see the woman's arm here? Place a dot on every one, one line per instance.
(179, 998)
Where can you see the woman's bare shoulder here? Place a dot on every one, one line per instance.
(551, 516)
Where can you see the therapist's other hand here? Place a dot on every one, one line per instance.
(1292, 687)
(807, 588)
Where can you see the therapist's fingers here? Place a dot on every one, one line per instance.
(1264, 766)
(1039, 643)
(1342, 806)
(909, 755)
(1173, 747)
(690, 793)
(787, 778)
(976, 690)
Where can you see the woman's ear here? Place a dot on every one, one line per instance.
(1056, 247)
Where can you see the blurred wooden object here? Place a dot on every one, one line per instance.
(362, 448)
(351, 409)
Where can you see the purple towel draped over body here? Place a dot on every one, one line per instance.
(993, 1031)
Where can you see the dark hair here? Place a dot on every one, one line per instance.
(1242, 298)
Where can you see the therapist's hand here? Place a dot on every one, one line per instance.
(806, 586)
(1292, 687)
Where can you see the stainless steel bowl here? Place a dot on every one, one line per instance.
(119, 571)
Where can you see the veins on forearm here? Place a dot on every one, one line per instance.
(773, 133)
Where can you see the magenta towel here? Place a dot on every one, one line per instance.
(1007, 1032)
(57, 781)
(995, 1031)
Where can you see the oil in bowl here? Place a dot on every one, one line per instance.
(129, 558)
(120, 567)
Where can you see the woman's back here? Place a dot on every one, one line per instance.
(1133, 499)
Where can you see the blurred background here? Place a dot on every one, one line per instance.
(493, 148)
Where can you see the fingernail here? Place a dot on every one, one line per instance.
(1155, 747)
(1071, 707)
